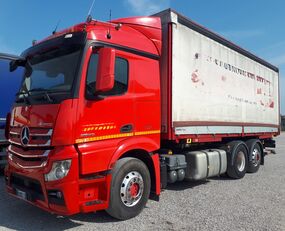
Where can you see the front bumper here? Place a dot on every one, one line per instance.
(68, 196)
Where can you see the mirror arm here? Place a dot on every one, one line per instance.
(17, 62)
(99, 96)
(96, 96)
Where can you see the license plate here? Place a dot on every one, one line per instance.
(21, 194)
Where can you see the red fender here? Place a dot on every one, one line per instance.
(143, 143)
(132, 143)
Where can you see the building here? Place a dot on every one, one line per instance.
(282, 123)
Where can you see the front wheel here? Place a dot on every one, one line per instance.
(130, 188)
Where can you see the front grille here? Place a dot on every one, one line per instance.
(30, 186)
(35, 153)
(39, 137)
(28, 163)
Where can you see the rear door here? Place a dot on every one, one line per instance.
(9, 85)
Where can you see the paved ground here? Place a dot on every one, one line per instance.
(257, 202)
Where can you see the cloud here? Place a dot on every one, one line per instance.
(147, 7)
(242, 34)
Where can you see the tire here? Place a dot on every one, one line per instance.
(237, 159)
(130, 188)
(254, 156)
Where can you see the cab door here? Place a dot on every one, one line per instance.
(107, 119)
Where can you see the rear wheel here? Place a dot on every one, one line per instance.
(130, 188)
(254, 157)
(237, 159)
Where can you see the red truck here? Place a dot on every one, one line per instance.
(109, 113)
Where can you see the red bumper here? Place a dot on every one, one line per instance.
(71, 195)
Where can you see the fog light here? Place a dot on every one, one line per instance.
(55, 197)
(59, 195)
(59, 170)
(55, 194)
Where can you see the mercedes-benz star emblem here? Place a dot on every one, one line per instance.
(25, 136)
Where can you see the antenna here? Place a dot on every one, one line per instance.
(89, 17)
(55, 29)
(109, 36)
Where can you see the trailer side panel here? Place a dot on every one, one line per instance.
(218, 90)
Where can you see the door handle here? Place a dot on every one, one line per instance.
(126, 128)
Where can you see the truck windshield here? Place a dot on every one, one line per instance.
(52, 71)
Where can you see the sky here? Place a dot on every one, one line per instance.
(256, 25)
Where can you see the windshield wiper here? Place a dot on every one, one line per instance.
(45, 91)
(39, 89)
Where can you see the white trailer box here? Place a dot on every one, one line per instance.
(216, 86)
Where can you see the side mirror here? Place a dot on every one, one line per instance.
(106, 70)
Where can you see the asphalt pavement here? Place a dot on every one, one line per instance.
(256, 202)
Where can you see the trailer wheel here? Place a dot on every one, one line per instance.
(130, 188)
(254, 157)
(237, 159)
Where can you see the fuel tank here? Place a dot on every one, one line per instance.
(206, 163)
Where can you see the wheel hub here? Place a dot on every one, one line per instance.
(255, 157)
(240, 161)
(132, 188)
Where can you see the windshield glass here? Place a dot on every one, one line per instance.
(52, 71)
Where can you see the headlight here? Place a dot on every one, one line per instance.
(59, 170)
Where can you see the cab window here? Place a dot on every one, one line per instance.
(121, 77)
